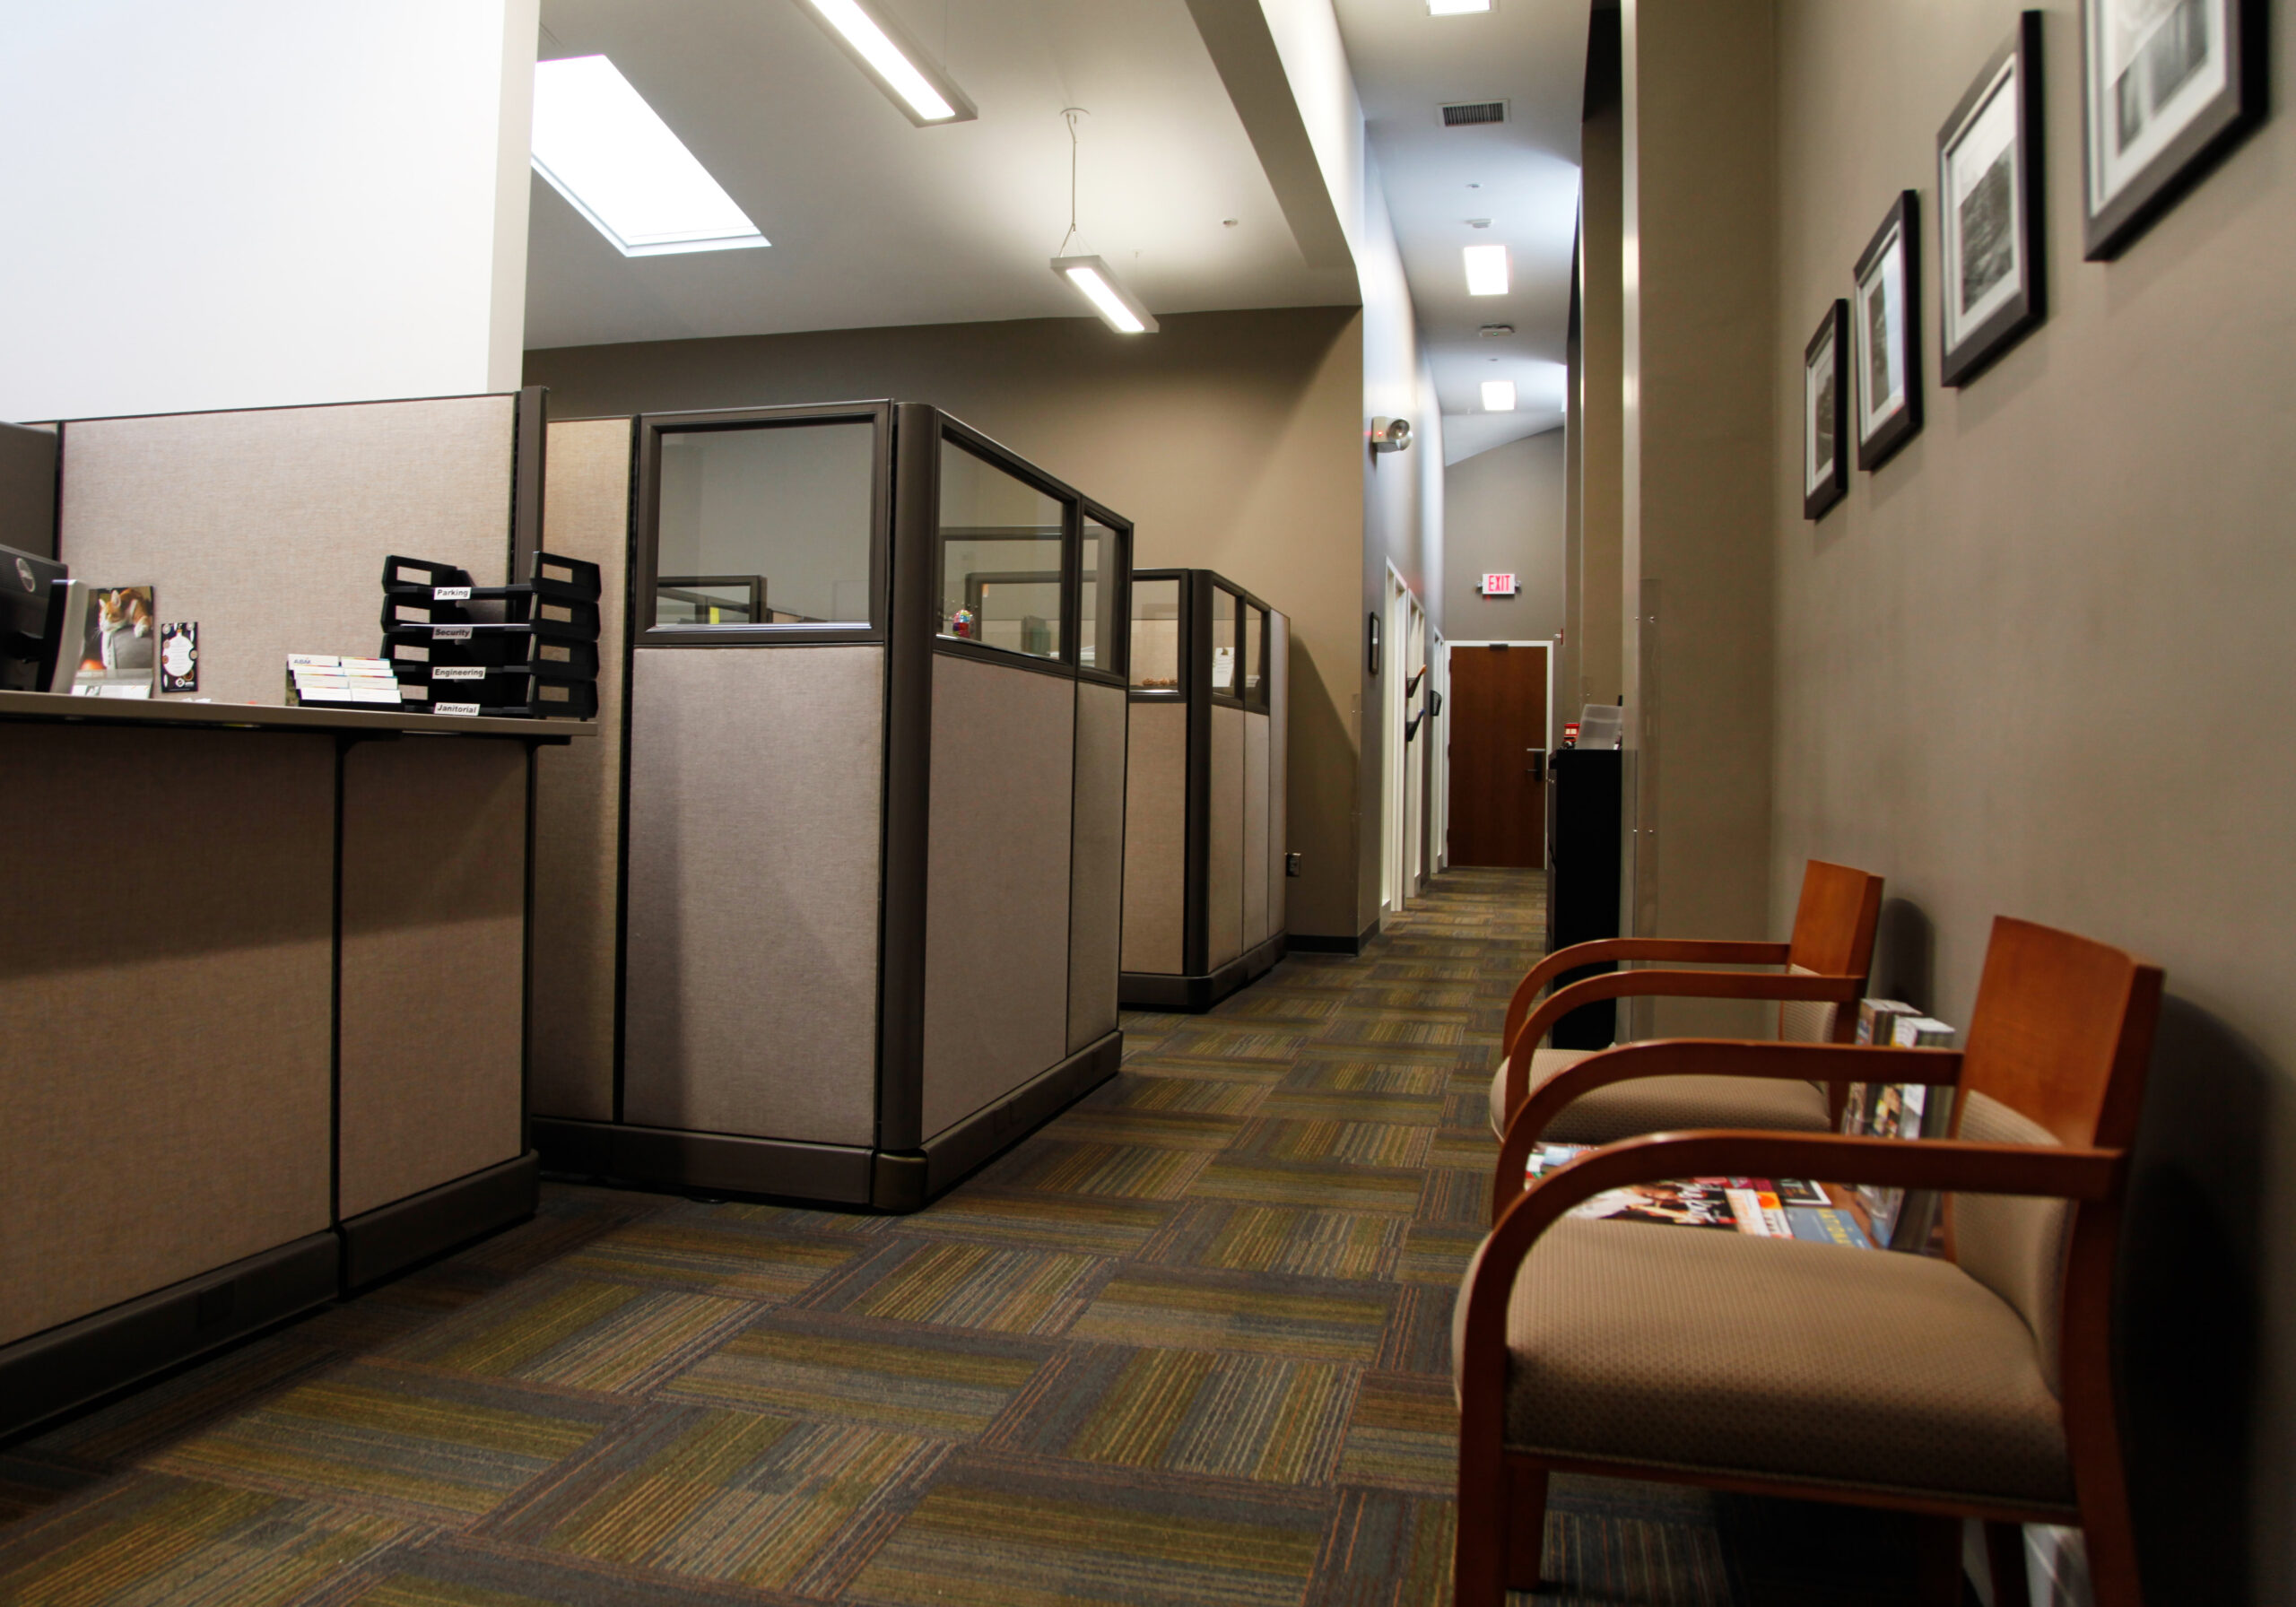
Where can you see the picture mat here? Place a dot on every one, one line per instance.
(1983, 248)
(1882, 372)
(2144, 48)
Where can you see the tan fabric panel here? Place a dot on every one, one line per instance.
(1223, 867)
(755, 776)
(996, 890)
(1096, 876)
(1717, 1351)
(1279, 763)
(1668, 1104)
(434, 856)
(1254, 874)
(270, 528)
(166, 942)
(1155, 838)
(1805, 1021)
(577, 801)
(2014, 1245)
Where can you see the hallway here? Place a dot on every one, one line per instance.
(1188, 1344)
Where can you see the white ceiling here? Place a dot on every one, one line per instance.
(1531, 54)
(876, 221)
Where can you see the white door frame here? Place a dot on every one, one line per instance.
(1399, 605)
(1546, 720)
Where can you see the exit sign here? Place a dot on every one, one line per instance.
(1499, 586)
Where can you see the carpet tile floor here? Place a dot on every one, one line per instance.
(1188, 1346)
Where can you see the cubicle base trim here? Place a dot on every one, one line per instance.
(393, 1237)
(831, 1174)
(1193, 995)
(1306, 944)
(954, 1155)
(824, 1174)
(51, 1373)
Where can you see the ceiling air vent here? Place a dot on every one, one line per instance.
(1463, 114)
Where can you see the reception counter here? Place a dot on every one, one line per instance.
(263, 1006)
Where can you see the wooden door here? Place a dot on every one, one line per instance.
(1497, 716)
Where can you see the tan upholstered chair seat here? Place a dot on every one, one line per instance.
(1665, 1104)
(1687, 1349)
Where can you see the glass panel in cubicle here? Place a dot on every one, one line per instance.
(1101, 630)
(1254, 655)
(1225, 674)
(765, 525)
(1002, 542)
(1156, 635)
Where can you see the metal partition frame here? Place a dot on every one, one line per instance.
(1198, 985)
(903, 1168)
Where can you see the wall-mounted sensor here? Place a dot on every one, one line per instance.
(1390, 435)
(1292, 865)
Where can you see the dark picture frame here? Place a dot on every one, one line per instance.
(1825, 414)
(1885, 330)
(1990, 267)
(2166, 90)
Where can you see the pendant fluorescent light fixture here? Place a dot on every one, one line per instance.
(867, 32)
(600, 145)
(1498, 396)
(1487, 270)
(1118, 308)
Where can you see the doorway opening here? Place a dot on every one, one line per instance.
(1499, 705)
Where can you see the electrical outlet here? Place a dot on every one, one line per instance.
(1292, 865)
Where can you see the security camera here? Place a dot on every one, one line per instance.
(1390, 435)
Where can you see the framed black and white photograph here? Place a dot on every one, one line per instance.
(1825, 414)
(2167, 86)
(1885, 329)
(1989, 237)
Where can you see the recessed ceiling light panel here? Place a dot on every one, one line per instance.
(1487, 270)
(881, 49)
(599, 144)
(1498, 396)
(1455, 8)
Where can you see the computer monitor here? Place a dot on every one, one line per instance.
(43, 618)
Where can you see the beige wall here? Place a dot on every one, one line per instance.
(1696, 216)
(1504, 509)
(2037, 665)
(1231, 438)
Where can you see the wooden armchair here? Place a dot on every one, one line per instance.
(1978, 1385)
(1826, 963)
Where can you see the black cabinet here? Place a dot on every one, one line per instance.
(1582, 801)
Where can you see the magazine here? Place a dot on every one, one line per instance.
(1902, 1110)
(1788, 1208)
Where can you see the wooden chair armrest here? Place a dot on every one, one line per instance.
(1945, 1165)
(1685, 950)
(1673, 985)
(1705, 1057)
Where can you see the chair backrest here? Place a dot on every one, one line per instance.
(2057, 1049)
(1833, 936)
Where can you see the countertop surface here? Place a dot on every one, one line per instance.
(274, 716)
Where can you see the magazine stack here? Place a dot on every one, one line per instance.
(527, 650)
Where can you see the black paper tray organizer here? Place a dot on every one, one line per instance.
(573, 621)
(561, 579)
(570, 661)
(517, 696)
(529, 649)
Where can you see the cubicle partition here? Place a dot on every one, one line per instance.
(869, 811)
(262, 968)
(1204, 909)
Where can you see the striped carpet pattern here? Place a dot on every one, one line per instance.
(1188, 1346)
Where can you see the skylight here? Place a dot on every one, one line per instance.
(601, 147)
(1487, 270)
(1498, 396)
